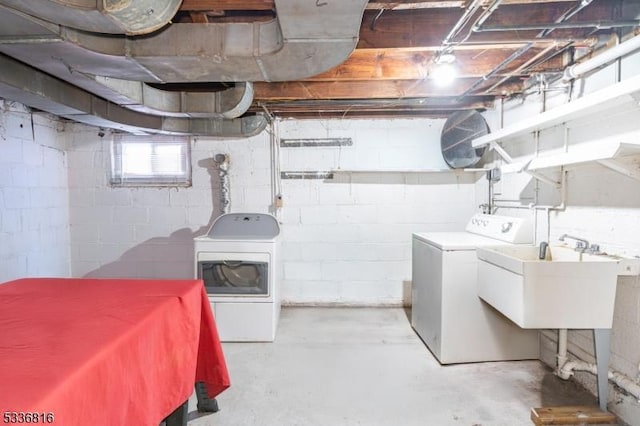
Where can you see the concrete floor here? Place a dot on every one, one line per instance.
(366, 366)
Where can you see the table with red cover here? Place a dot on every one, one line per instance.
(106, 351)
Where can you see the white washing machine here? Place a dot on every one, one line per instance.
(454, 323)
(239, 262)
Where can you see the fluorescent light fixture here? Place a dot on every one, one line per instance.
(444, 72)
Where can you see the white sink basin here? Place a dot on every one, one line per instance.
(567, 290)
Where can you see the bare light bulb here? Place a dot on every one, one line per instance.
(444, 71)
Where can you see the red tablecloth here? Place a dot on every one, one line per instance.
(106, 352)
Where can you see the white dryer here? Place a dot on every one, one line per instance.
(454, 323)
(239, 262)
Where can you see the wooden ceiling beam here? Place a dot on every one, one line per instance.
(373, 89)
(381, 114)
(413, 5)
(413, 28)
(199, 17)
(433, 106)
(432, 103)
(206, 5)
(391, 64)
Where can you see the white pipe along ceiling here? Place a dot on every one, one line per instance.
(97, 49)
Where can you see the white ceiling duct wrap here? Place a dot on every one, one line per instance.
(102, 16)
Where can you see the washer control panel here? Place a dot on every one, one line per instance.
(504, 228)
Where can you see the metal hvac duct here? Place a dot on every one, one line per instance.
(102, 16)
(296, 45)
(36, 89)
(229, 103)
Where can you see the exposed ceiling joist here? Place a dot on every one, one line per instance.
(204, 5)
(498, 45)
(199, 17)
(392, 64)
(371, 89)
(429, 27)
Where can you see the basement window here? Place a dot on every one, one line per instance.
(150, 161)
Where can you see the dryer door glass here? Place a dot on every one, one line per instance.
(235, 277)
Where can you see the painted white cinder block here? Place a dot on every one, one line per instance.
(357, 213)
(18, 125)
(302, 271)
(15, 198)
(335, 194)
(355, 228)
(300, 193)
(82, 197)
(11, 150)
(318, 214)
(34, 204)
(32, 154)
(178, 198)
(200, 197)
(116, 232)
(111, 197)
(153, 228)
(130, 215)
(11, 222)
(23, 177)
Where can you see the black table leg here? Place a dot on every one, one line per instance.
(179, 416)
(205, 404)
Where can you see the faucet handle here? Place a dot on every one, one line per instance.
(594, 248)
(580, 245)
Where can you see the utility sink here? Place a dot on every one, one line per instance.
(568, 289)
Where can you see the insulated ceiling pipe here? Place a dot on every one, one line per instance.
(36, 89)
(609, 55)
(102, 16)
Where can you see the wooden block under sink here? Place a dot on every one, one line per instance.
(577, 415)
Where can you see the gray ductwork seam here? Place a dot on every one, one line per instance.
(33, 88)
(131, 17)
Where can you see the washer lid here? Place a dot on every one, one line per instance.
(245, 226)
(456, 240)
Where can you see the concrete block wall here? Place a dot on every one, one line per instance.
(347, 240)
(148, 232)
(34, 209)
(602, 206)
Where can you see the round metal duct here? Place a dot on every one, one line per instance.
(460, 129)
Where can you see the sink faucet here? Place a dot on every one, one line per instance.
(582, 245)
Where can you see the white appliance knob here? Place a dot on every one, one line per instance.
(506, 226)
